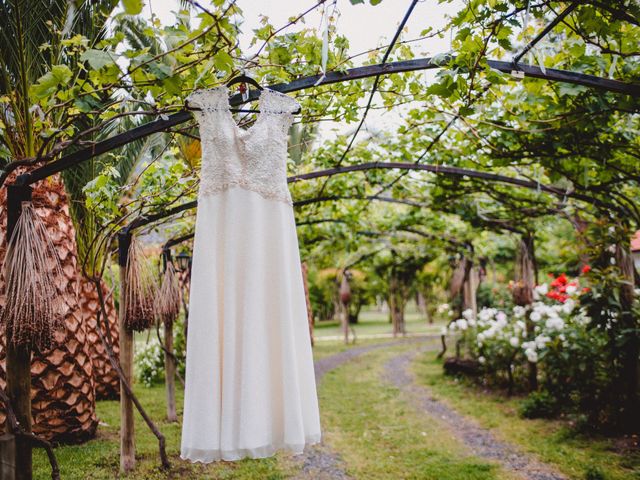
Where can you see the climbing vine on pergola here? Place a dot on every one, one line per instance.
(496, 125)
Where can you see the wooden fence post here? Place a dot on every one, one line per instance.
(170, 374)
(127, 434)
(18, 360)
(169, 357)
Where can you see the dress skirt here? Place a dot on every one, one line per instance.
(250, 385)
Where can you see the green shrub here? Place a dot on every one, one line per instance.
(539, 405)
(594, 473)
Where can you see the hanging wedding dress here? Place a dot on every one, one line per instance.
(250, 385)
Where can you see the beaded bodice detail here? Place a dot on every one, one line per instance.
(254, 158)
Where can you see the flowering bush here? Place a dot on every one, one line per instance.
(497, 335)
(149, 359)
(149, 363)
(555, 333)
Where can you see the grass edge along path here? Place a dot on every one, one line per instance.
(577, 456)
(480, 441)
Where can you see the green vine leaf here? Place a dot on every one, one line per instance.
(49, 83)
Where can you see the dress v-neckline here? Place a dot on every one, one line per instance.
(239, 132)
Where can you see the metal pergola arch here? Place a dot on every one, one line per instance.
(358, 73)
(444, 170)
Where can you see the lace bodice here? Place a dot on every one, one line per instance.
(253, 159)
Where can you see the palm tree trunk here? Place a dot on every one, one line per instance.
(62, 386)
(107, 382)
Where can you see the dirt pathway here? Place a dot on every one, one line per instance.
(319, 462)
(481, 442)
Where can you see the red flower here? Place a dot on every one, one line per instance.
(561, 280)
(555, 295)
(586, 289)
(586, 269)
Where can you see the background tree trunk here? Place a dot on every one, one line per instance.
(523, 292)
(62, 384)
(345, 298)
(630, 351)
(470, 289)
(396, 304)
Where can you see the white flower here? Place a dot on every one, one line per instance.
(482, 360)
(462, 324)
(535, 316)
(486, 314)
(501, 317)
(541, 341)
(518, 311)
(442, 308)
(532, 355)
(443, 331)
(568, 306)
(468, 314)
(542, 289)
(529, 345)
(554, 323)
(571, 289)
(514, 341)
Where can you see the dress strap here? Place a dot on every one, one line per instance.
(210, 99)
(272, 101)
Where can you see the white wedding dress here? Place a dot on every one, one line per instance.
(250, 385)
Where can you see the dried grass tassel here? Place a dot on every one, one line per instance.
(139, 290)
(169, 299)
(34, 310)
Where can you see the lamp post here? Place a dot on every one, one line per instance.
(183, 262)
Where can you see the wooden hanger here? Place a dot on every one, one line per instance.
(244, 79)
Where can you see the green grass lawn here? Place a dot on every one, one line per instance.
(552, 441)
(373, 322)
(99, 458)
(369, 424)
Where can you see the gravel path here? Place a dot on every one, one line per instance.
(319, 462)
(479, 440)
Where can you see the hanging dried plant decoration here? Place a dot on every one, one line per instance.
(169, 300)
(139, 290)
(34, 309)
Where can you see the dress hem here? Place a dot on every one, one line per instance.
(196, 455)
